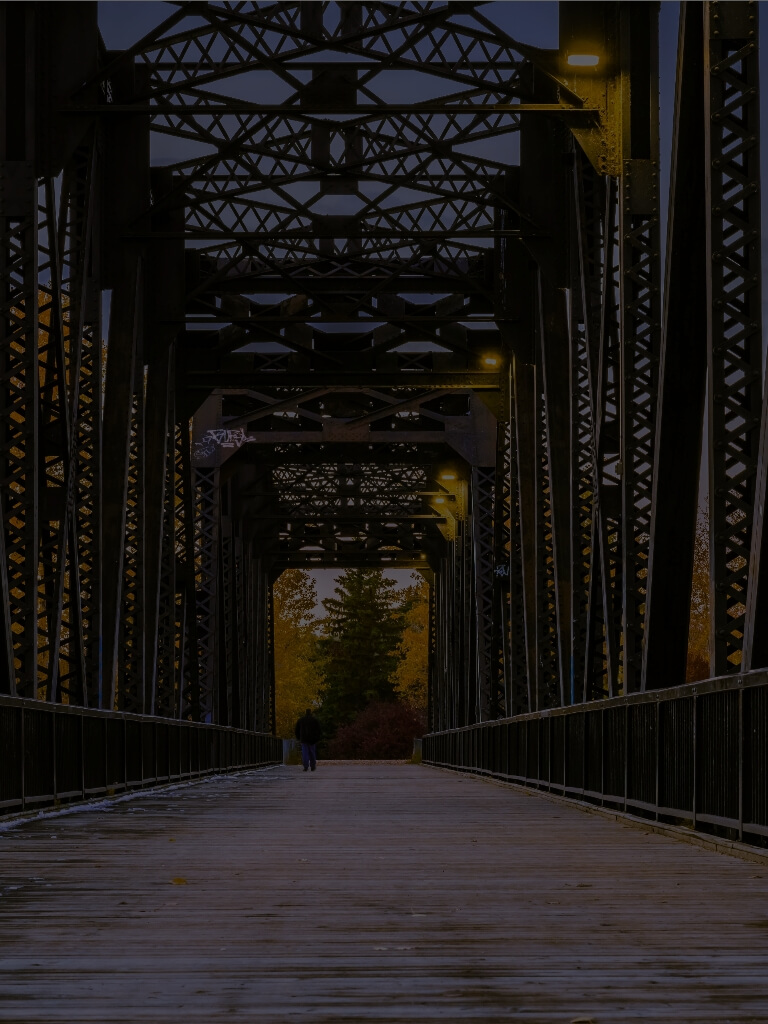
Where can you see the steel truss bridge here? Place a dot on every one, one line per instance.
(386, 287)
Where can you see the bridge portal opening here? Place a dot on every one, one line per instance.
(354, 647)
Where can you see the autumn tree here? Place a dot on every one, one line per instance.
(297, 681)
(698, 630)
(360, 646)
(382, 731)
(411, 673)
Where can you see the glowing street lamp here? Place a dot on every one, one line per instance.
(583, 60)
(491, 360)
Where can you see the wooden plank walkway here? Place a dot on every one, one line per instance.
(388, 893)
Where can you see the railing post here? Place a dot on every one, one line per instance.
(539, 732)
(584, 755)
(82, 757)
(23, 761)
(626, 754)
(741, 759)
(658, 752)
(55, 758)
(565, 753)
(695, 758)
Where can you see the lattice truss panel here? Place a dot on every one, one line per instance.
(309, 177)
(352, 509)
(490, 699)
(641, 334)
(598, 352)
(50, 409)
(279, 414)
(547, 693)
(735, 394)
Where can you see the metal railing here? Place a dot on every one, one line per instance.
(53, 753)
(695, 755)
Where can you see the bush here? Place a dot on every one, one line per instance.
(382, 730)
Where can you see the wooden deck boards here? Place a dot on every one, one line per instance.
(387, 893)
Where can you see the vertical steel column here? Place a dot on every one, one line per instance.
(165, 298)
(517, 667)
(88, 451)
(640, 310)
(527, 447)
(55, 449)
(434, 683)
(206, 568)
(73, 674)
(264, 647)
(547, 639)
(734, 335)
(132, 688)
(466, 618)
(261, 679)
(125, 203)
(226, 606)
(449, 640)
(439, 679)
(502, 556)
(166, 681)
(19, 392)
(187, 650)
(585, 319)
(270, 659)
(482, 520)
(682, 375)
(239, 634)
(555, 365)
(601, 663)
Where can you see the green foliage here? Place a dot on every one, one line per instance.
(359, 649)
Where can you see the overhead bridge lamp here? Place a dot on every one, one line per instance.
(582, 60)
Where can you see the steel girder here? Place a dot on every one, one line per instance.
(415, 353)
(734, 323)
(712, 349)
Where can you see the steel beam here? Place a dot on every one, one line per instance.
(682, 375)
(734, 337)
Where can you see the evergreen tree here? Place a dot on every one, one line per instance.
(359, 649)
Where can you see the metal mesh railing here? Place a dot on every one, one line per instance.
(694, 755)
(51, 754)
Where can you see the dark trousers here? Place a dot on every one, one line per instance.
(309, 754)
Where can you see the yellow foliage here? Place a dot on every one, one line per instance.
(411, 676)
(297, 680)
(698, 631)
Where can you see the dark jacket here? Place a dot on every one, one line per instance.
(308, 729)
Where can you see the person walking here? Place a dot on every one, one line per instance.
(308, 733)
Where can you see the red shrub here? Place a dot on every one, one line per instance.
(381, 731)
